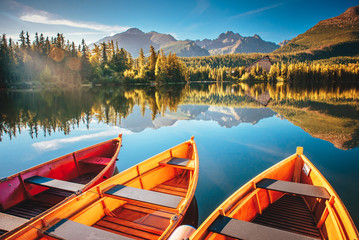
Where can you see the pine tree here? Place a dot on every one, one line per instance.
(28, 43)
(141, 58)
(47, 46)
(36, 43)
(95, 58)
(86, 66)
(22, 40)
(104, 53)
(151, 64)
(73, 50)
(161, 67)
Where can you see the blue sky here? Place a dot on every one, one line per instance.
(186, 19)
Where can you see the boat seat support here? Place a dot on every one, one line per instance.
(247, 230)
(70, 230)
(147, 196)
(55, 183)
(294, 188)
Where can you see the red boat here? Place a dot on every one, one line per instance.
(29, 193)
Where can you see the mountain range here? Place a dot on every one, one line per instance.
(133, 39)
(337, 36)
(230, 42)
(224, 116)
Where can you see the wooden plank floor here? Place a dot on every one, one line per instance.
(28, 209)
(142, 222)
(178, 190)
(136, 222)
(85, 178)
(289, 213)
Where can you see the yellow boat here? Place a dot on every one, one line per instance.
(146, 201)
(291, 200)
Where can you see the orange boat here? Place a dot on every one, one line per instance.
(290, 200)
(146, 201)
(29, 193)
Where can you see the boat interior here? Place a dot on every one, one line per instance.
(143, 202)
(290, 201)
(30, 193)
(140, 208)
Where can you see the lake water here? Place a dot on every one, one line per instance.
(240, 130)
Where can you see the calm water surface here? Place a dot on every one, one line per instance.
(237, 136)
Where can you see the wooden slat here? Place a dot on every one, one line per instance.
(9, 222)
(116, 232)
(286, 226)
(164, 190)
(246, 230)
(284, 213)
(289, 219)
(158, 213)
(134, 225)
(55, 183)
(295, 217)
(178, 189)
(294, 188)
(137, 194)
(28, 209)
(87, 177)
(175, 184)
(58, 192)
(70, 230)
(126, 229)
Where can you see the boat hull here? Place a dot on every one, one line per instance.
(327, 217)
(86, 168)
(146, 201)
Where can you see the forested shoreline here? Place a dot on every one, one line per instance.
(49, 62)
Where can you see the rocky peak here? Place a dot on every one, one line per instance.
(257, 37)
(283, 43)
(349, 17)
(229, 35)
(134, 31)
(351, 12)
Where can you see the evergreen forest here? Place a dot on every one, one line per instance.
(57, 62)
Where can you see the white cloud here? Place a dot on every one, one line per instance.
(256, 10)
(57, 143)
(46, 18)
(29, 14)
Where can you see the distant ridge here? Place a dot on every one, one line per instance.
(133, 39)
(230, 42)
(337, 36)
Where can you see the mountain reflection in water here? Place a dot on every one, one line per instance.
(330, 113)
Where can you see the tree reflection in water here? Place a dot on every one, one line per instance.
(328, 112)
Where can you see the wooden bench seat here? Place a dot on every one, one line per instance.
(55, 183)
(96, 160)
(147, 196)
(294, 188)
(9, 222)
(178, 162)
(247, 230)
(70, 230)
